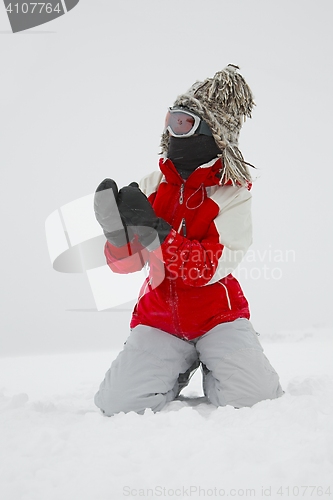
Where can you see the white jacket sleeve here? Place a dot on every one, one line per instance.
(234, 225)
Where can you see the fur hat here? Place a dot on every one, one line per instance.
(223, 102)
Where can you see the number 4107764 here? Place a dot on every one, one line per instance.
(33, 7)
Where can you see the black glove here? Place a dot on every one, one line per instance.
(108, 216)
(137, 212)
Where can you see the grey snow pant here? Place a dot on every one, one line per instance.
(145, 373)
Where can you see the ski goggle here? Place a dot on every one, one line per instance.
(183, 123)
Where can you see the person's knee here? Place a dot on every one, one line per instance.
(114, 402)
(136, 386)
(243, 379)
(145, 372)
(240, 373)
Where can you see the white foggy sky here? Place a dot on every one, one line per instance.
(84, 97)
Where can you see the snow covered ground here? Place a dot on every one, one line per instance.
(56, 445)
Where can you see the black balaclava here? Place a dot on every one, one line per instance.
(188, 153)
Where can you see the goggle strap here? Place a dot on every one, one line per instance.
(203, 129)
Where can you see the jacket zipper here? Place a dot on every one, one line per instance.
(181, 201)
(172, 289)
(184, 226)
(181, 195)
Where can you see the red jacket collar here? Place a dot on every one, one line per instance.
(207, 174)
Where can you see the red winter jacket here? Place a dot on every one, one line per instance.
(190, 288)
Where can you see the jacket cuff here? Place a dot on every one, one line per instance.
(159, 233)
(172, 240)
(115, 253)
